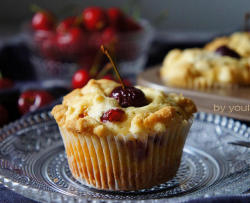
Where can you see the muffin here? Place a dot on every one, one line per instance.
(202, 69)
(239, 42)
(114, 146)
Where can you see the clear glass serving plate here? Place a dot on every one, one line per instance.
(33, 163)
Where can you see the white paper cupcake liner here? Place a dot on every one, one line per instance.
(125, 162)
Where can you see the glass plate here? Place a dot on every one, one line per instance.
(33, 163)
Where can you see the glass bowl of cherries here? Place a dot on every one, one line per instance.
(64, 46)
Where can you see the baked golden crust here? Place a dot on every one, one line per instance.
(199, 68)
(82, 108)
(239, 41)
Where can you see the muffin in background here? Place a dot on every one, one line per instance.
(238, 41)
(203, 69)
(111, 147)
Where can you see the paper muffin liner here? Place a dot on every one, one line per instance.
(125, 162)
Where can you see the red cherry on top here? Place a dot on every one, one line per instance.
(5, 83)
(31, 100)
(66, 24)
(113, 115)
(129, 96)
(80, 78)
(94, 18)
(116, 17)
(4, 116)
(43, 20)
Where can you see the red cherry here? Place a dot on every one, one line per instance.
(87, 60)
(94, 40)
(48, 47)
(94, 18)
(130, 25)
(43, 20)
(5, 83)
(113, 115)
(31, 100)
(80, 78)
(4, 116)
(109, 35)
(127, 82)
(129, 96)
(66, 24)
(108, 77)
(116, 17)
(41, 35)
(71, 43)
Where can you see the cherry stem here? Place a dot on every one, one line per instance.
(94, 68)
(35, 8)
(106, 68)
(106, 52)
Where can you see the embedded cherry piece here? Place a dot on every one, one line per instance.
(129, 96)
(113, 115)
(226, 51)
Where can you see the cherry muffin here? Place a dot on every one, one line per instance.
(239, 42)
(201, 69)
(123, 138)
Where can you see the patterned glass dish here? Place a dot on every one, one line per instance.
(33, 163)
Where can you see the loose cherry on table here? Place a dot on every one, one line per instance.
(32, 100)
(43, 20)
(226, 51)
(4, 117)
(80, 78)
(94, 18)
